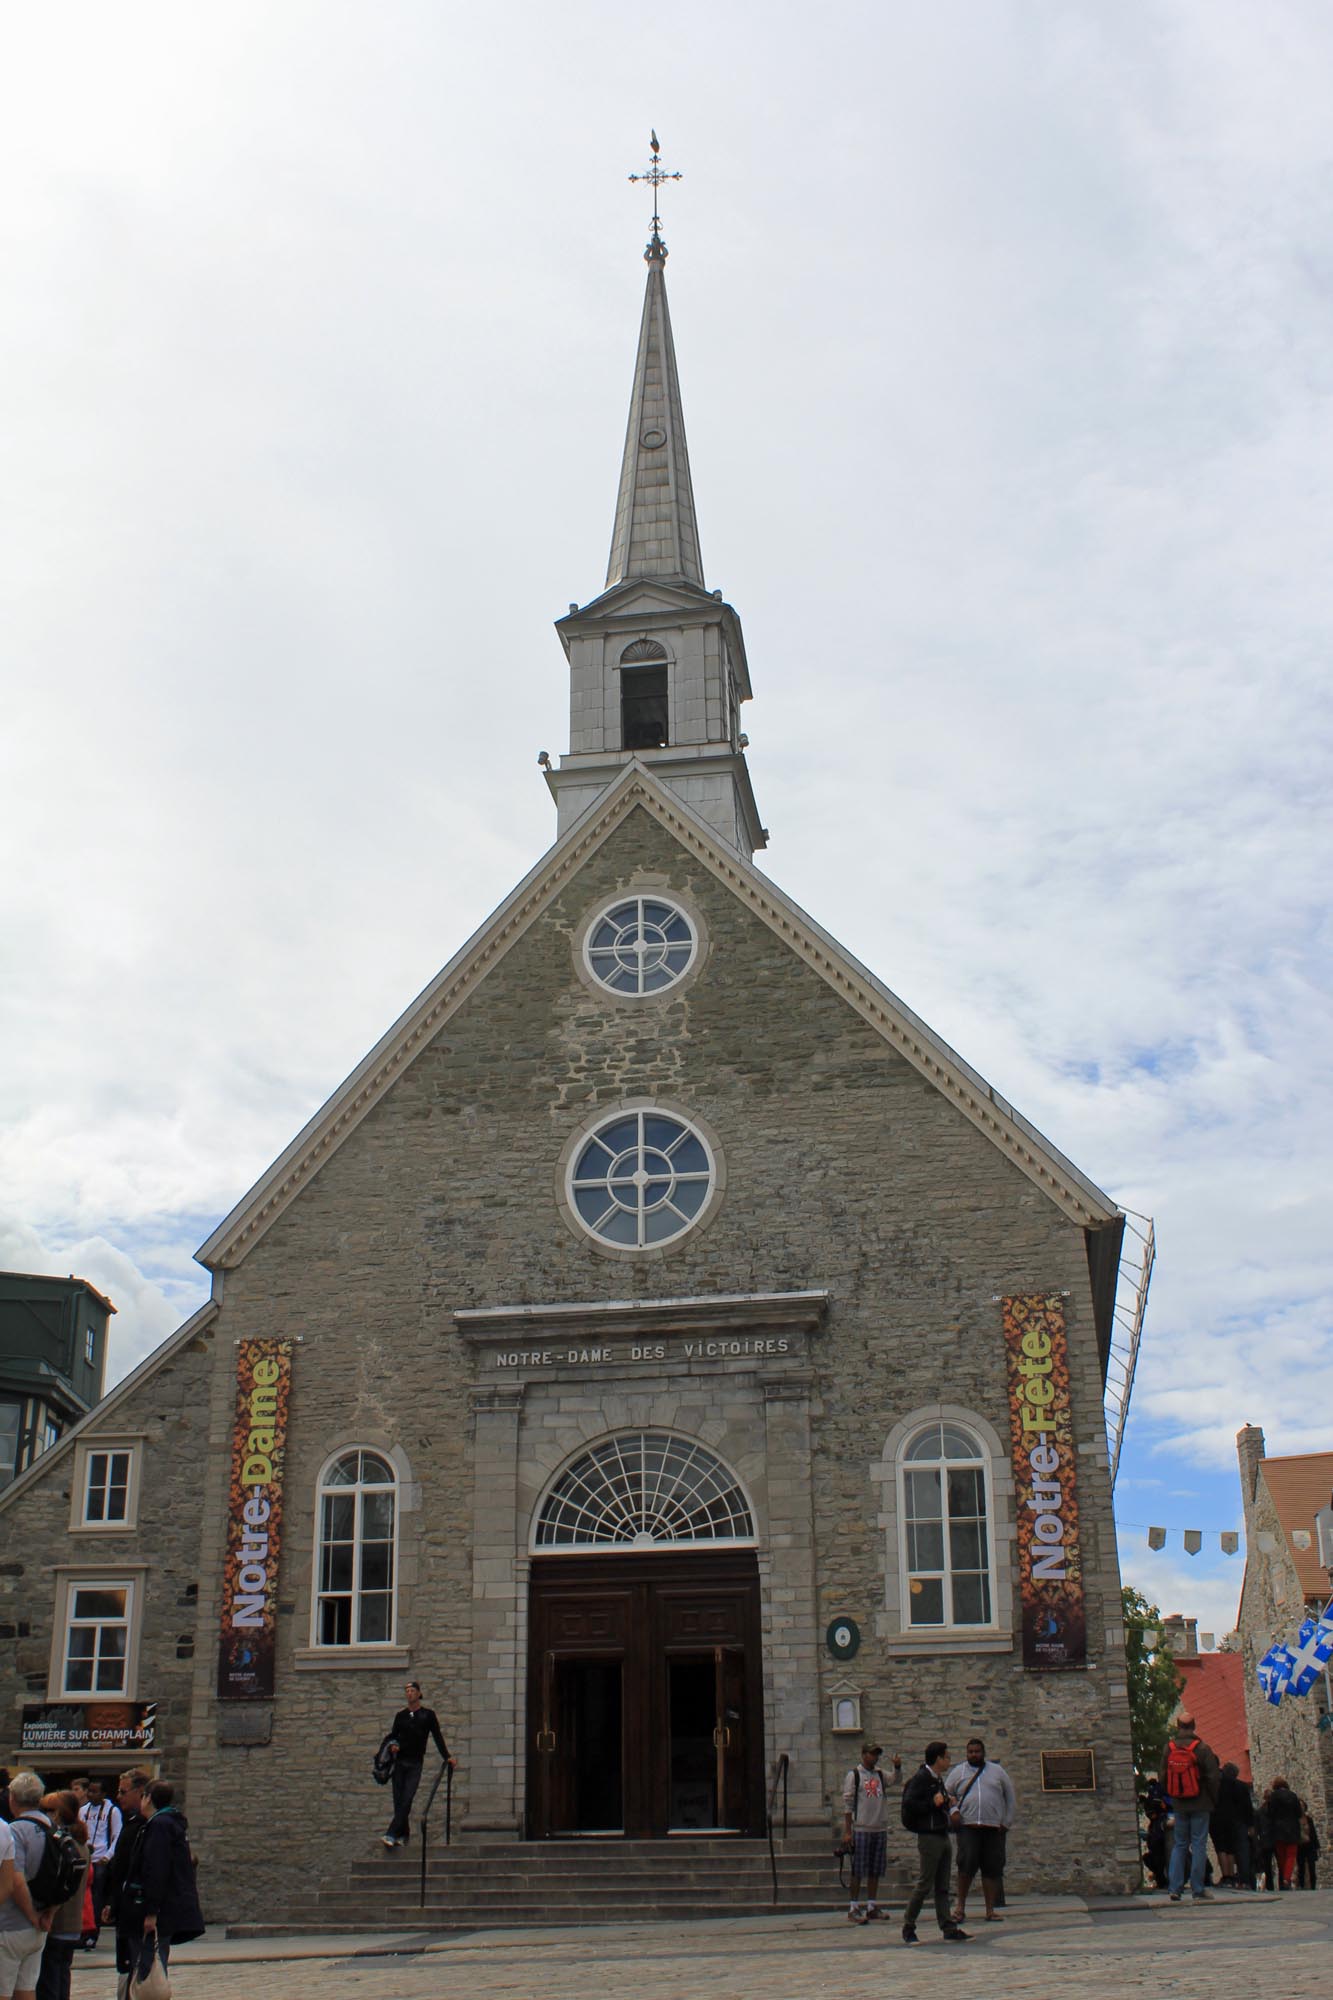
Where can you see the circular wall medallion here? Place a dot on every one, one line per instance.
(652, 440)
(843, 1638)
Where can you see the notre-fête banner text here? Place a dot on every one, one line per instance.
(1050, 1556)
(254, 1520)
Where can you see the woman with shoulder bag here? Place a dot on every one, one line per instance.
(168, 1896)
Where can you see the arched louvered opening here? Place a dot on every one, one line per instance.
(644, 716)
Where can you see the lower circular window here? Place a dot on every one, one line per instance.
(640, 1179)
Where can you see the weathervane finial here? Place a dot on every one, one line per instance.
(655, 175)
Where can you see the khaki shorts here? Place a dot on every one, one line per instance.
(20, 1959)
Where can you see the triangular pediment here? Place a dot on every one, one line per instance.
(637, 789)
(643, 599)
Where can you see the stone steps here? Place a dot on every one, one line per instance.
(551, 1883)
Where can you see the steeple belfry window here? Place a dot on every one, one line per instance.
(643, 696)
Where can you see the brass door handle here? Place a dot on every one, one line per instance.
(546, 1740)
(721, 1738)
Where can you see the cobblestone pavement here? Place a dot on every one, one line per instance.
(1223, 1952)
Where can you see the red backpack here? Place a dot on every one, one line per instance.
(1182, 1770)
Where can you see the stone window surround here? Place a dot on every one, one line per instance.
(604, 1115)
(131, 1441)
(642, 883)
(900, 1639)
(130, 1577)
(379, 1657)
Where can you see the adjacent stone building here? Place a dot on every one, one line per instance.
(1284, 1584)
(663, 1346)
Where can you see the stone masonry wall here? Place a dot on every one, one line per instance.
(845, 1169)
(1285, 1742)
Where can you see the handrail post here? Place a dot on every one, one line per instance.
(779, 1776)
(445, 1770)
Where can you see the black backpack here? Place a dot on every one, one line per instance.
(59, 1869)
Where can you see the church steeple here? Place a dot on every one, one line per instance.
(656, 532)
(657, 666)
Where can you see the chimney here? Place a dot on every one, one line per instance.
(1181, 1635)
(1249, 1450)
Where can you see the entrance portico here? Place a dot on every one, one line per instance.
(647, 1636)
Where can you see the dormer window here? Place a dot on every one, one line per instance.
(643, 696)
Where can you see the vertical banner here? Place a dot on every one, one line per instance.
(1050, 1559)
(254, 1520)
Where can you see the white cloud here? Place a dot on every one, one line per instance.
(1010, 419)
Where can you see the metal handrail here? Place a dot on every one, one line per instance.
(779, 1778)
(446, 1771)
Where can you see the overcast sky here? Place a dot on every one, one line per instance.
(1004, 336)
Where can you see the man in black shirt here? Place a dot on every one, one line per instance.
(412, 1729)
(926, 1807)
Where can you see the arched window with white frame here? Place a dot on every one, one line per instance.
(356, 1551)
(945, 1514)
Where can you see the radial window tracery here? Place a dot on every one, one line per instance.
(641, 945)
(640, 1179)
(641, 1489)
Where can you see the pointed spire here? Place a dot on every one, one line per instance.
(656, 533)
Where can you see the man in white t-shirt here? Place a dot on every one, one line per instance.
(865, 1821)
(983, 1812)
(103, 1822)
(22, 1930)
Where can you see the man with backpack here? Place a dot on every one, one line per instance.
(865, 1824)
(925, 1812)
(1191, 1779)
(38, 1874)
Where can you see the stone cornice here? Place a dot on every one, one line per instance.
(602, 1319)
(1072, 1193)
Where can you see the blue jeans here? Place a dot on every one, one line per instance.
(1191, 1835)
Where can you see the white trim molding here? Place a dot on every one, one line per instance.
(891, 1624)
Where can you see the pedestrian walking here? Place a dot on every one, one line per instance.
(120, 1889)
(925, 1812)
(1230, 1825)
(1285, 1811)
(982, 1812)
(62, 1940)
(168, 1898)
(865, 1823)
(412, 1729)
(1307, 1854)
(1190, 1777)
(102, 1819)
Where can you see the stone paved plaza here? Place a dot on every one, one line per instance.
(1229, 1951)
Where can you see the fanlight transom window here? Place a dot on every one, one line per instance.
(640, 945)
(947, 1557)
(640, 1179)
(643, 1489)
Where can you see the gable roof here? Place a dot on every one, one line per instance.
(1078, 1198)
(1300, 1487)
(1214, 1694)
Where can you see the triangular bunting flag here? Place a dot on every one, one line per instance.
(1230, 1543)
(1157, 1538)
(1193, 1541)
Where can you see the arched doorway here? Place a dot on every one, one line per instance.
(645, 1677)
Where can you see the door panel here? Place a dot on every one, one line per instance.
(645, 1695)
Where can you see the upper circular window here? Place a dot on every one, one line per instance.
(640, 1179)
(641, 945)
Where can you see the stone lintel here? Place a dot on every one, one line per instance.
(600, 1319)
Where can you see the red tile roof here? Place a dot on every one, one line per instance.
(1215, 1696)
(1300, 1487)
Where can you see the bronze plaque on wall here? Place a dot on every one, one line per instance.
(1068, 1771)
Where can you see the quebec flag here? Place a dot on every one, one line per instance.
(1313, 1650)
(1274, 1673)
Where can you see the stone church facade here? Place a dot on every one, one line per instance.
(641, 1300)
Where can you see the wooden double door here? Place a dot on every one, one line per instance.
(645, 1699)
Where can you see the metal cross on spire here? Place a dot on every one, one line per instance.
(654, 177)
